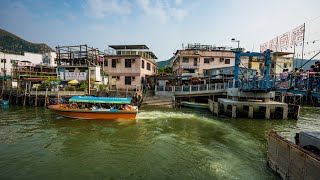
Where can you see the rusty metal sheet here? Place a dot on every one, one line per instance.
(312, 168)
(296, 164)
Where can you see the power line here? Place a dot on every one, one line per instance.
(313, 19)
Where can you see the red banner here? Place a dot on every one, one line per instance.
(273, 44)
(284, 40)
(297, 35)
(263, 47)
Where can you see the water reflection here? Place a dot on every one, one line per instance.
(160, 143)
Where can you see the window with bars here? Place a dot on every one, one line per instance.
(148, 66)
(127, 63)
(114, 63)
(127, 80)
(185, 60)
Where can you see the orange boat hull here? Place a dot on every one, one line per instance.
(89, 114)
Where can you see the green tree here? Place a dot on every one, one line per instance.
(166, 69)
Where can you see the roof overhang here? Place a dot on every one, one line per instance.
(282, 53)
(119, 47)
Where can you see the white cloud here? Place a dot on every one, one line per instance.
(178, 2)
(163, 10)
(101, 8)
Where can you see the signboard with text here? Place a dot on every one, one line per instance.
(73, 75)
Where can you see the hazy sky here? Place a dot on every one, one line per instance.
(163, 25)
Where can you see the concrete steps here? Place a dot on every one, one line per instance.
(157, 101)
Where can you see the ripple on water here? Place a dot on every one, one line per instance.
(162, 143)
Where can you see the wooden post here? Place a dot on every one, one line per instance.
(25, 95)
(46, 98)
(36, 100)
(17, 96)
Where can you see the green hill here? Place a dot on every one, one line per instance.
(165, 63)
(14, 44)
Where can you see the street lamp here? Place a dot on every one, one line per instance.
(238, 41)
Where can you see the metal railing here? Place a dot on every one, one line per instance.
(195, 88)
(298, 81)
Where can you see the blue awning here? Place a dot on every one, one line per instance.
(91, 99)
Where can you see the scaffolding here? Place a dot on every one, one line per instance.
(79, 55)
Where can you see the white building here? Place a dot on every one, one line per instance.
(28, 58)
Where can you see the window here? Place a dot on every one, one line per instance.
(127, 63)
(127, 80)
(3, 60)
(106, 62)
(114, 63)
(272, 65)
(195, 61)
(12, 61)
(142, 64)
(226, 61)
(148, 66)
(185, 60)
(285, 65)
(206, 60)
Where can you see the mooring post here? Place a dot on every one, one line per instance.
(234, 111)
(250, 113)
(285, 112)
(268, 109)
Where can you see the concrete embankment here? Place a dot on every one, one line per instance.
(157, 101)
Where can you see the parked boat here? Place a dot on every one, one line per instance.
(88, 107)
(4, 102)
(194, 105)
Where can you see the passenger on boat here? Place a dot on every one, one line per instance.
(93, 107)
(82, 106)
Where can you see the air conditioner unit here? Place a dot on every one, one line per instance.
(133, 78)
(118, 77)
(212, 59)
(118, 60)
(196, 52)
(221, 59)
(133, 60)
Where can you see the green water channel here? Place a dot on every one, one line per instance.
(163, 143)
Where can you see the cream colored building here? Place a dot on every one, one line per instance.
(196, 59)
(128, 66)
(279, 61)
